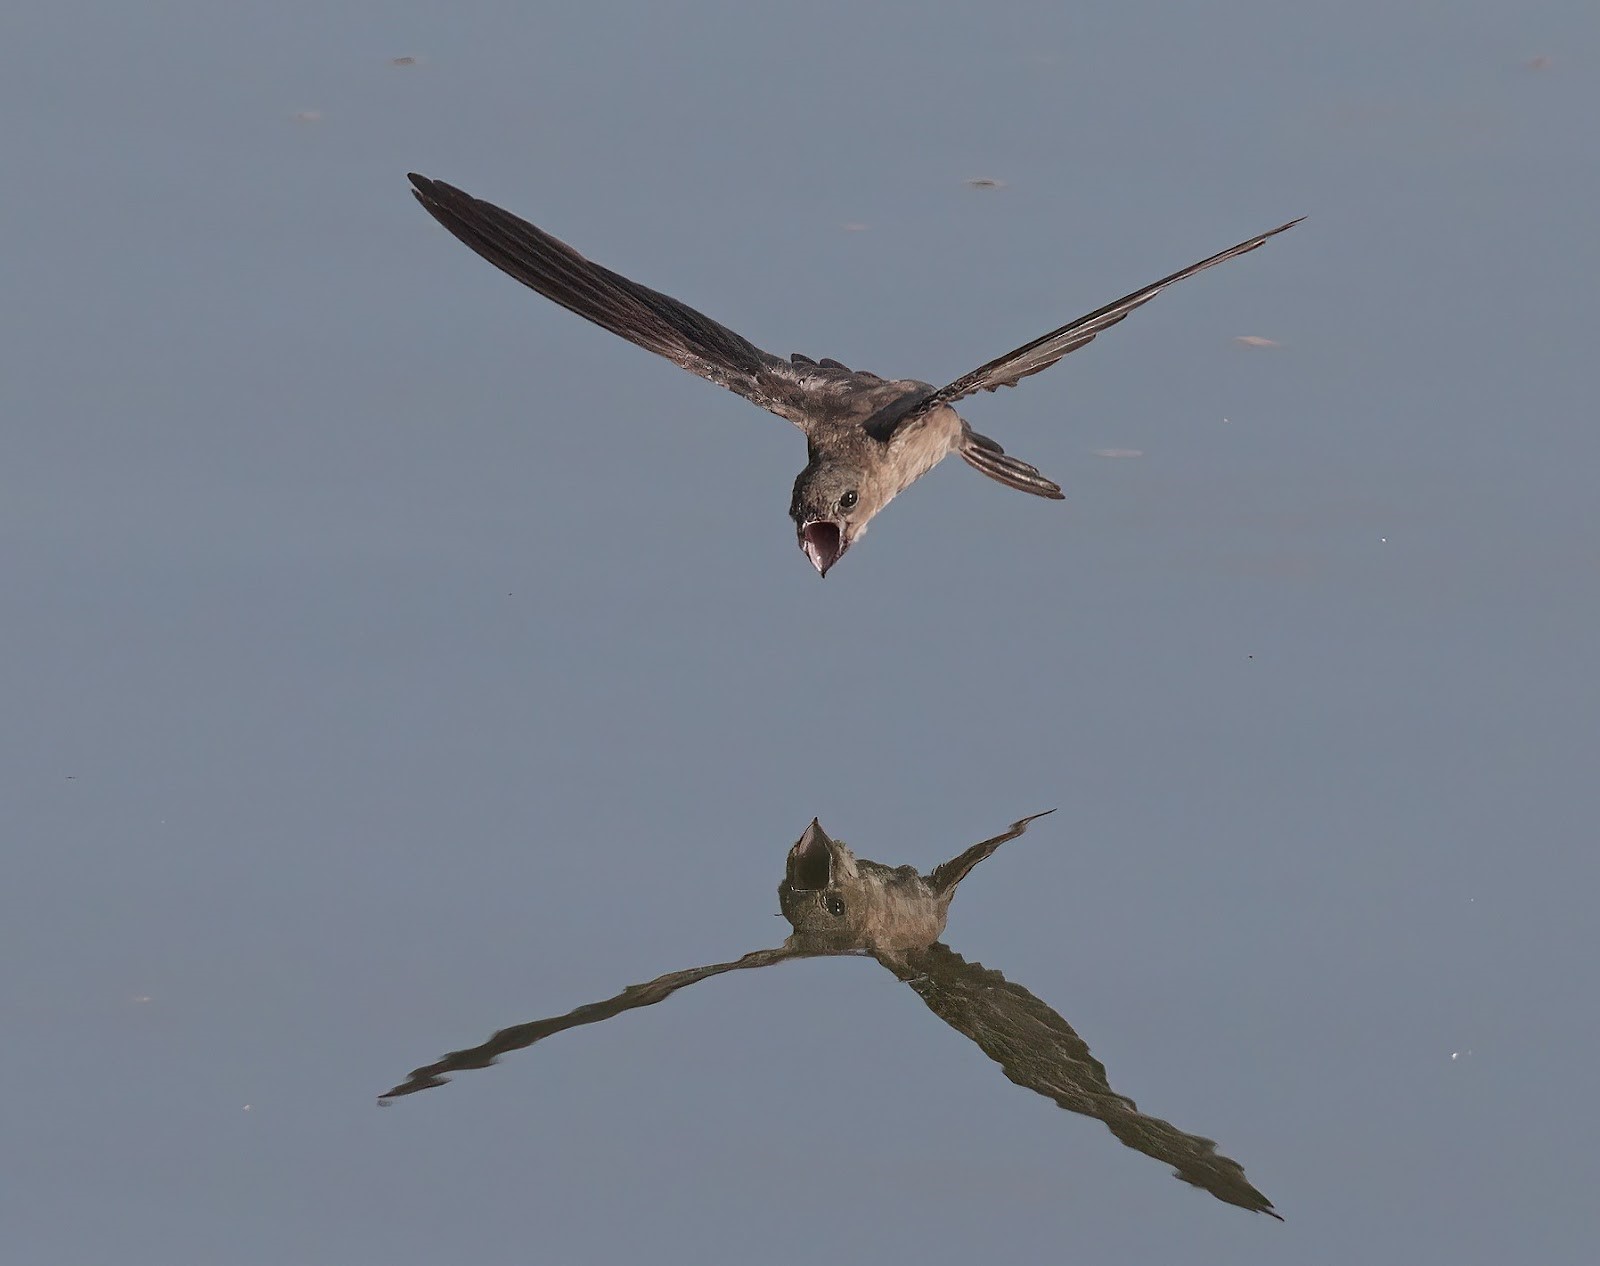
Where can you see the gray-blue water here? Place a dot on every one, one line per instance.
(391, 657)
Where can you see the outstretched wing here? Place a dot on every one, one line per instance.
(798, 389)
(948, 874)
(1037, 1049)
(1046, 350)
(521, 1035)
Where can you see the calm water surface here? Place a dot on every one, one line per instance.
(392, 658)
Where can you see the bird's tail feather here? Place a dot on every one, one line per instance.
(983, 454)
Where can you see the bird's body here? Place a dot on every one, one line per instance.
(835, 900)
(868, 438)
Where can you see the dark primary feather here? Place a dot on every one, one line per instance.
(799, 391)
(1040, 1051)
(1008, 370)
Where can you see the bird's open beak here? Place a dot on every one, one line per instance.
(824, 543)
(811, 860)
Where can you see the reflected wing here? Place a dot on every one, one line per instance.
(797, 390)
(1046, 350)
(948, 874)
(521, 1035)
(1037, 1049)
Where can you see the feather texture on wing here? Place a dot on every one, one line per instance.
(1040, 1051)
(799, 389)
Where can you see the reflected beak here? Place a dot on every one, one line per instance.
(823, 542)
(811, 860)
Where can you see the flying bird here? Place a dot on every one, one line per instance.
(841, 904)
(868, 438)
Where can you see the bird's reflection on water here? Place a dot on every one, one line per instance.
(841, 904)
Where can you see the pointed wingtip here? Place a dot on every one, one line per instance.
(424, 191)
(432, 192)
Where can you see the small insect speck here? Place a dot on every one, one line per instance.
(985, 182)
(403, 61)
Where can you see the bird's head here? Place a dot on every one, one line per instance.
(837, 901)
(813, 895)
(832, 505)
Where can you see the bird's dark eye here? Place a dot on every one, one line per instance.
(835, 907)
(848, 501)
